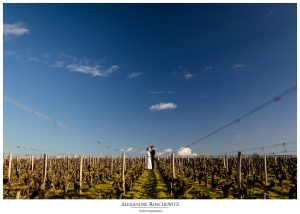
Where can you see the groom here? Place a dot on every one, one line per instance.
(152, 153)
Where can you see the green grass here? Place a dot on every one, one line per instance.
(149, 186)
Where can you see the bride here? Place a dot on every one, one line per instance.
(148, 161)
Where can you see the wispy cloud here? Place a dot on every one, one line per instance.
(163, 106)
(202, 95)
(238, 66)
(93, 70)
(64, 61)
(161, 92)
(111, 69)
(188, 75)
(25, 56)
(207, 68)
(134, 75)
(15, 29)
(68, 57)
(33, 59)
(129, 149)
(181, 71)
(268, 14)
(83, 65)
(58, 64)
(11, 53)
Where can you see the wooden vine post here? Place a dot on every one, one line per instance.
(249, 164)
(68, 163)
(80, 173)
(9, 166)
(123, 172)
(111, 165)
(32, 162)
(172, 159)
(226, 158)
(18, 164)
(18, 195)
(238, 170)
(45, 170)
(50, 163)
(179, 165)
(226, 166)
(194, 171)
(266, 170)
(224, 163)
(173, 165)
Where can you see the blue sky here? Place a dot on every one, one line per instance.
(135, 75)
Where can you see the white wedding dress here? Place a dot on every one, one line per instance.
(148, 162)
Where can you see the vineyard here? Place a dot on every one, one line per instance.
(200, 177)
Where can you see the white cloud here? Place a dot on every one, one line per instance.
(168, 150)
(208, 68)
(164, 152)
(83, 65)
(188, 75)
(33, 59)
(24, 56)
(93, 70)
(15, 29)
(134, 75)
(111, 69)
(58, 64)
(181, 71)
(163, 106)
(129, 149)
(184, 151)
(71, 63)
(11, 54)
(68, 57)
(238, 66)
(161, 92)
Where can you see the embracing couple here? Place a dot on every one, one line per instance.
(150, 158)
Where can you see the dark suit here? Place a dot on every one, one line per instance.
(152, 158)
